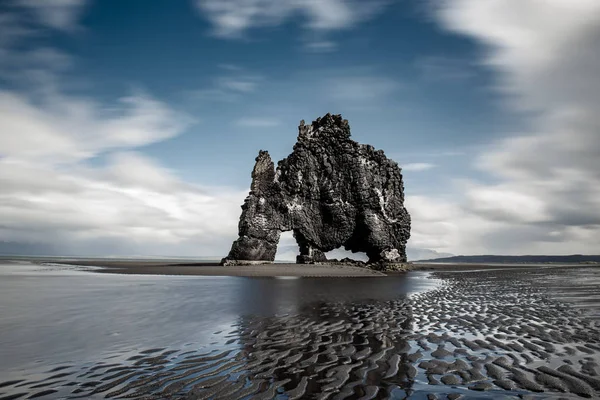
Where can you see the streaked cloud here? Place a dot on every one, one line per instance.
(231, 18)
(257, 122)
(547, 199)
(232, 83)
(416, 167)
(322, 46)
(359, 88)
(73, 174)
(66, 129)
(133, 200)
(53, 196)
(57, 14)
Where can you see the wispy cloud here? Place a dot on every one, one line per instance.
(447, 69)
(321, 46)
(51, 194)
(64, 129)
(57, 14)
(359, 88)
(13, 29)
(417, 167)
(233, 17)
(243, 84)
(546, 198)
(232, 83)
(257, 122)
(132, 200)
(433, 153)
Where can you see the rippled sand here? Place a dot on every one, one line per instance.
(509, 333)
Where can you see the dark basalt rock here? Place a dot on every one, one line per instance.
(261, 222)
(331, 192)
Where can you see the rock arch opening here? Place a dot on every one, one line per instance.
(341, 253)
(287, 248)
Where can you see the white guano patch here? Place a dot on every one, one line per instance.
(382, 204)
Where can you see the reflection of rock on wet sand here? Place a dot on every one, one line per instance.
(276, 296)
(484, 334)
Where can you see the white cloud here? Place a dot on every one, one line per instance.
(363, 88)
(243, 84)
(54, 196)
(50, 195)
(417, 167)
(27, 19)
(257, 122)
(447, 226)
(547, 199)
(133, 201)
(231, 86)
(532, 43)
(232, 17)
(66, 129)
(506, 203)
(57, 14)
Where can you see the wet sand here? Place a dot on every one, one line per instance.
(419, 266)
(141, 267)
(492, 333)
(204, 268)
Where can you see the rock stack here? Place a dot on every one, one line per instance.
(331, 192)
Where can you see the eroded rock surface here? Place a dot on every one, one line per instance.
(331, 192)
(261, 222)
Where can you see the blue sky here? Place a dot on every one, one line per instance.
(131, 127)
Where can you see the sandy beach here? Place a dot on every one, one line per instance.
(151, 267)
(495, 332)
(480, 331)
(204, 268)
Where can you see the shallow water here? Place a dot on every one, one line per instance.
(501, 333)
(56, 313)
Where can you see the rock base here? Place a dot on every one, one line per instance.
(316, 257)
(227, 262)
(390, 266)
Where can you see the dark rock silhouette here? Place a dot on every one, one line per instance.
(331, 192)
(262, 219)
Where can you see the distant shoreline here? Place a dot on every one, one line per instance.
(527, 259)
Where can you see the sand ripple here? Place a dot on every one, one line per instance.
(484, 334)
